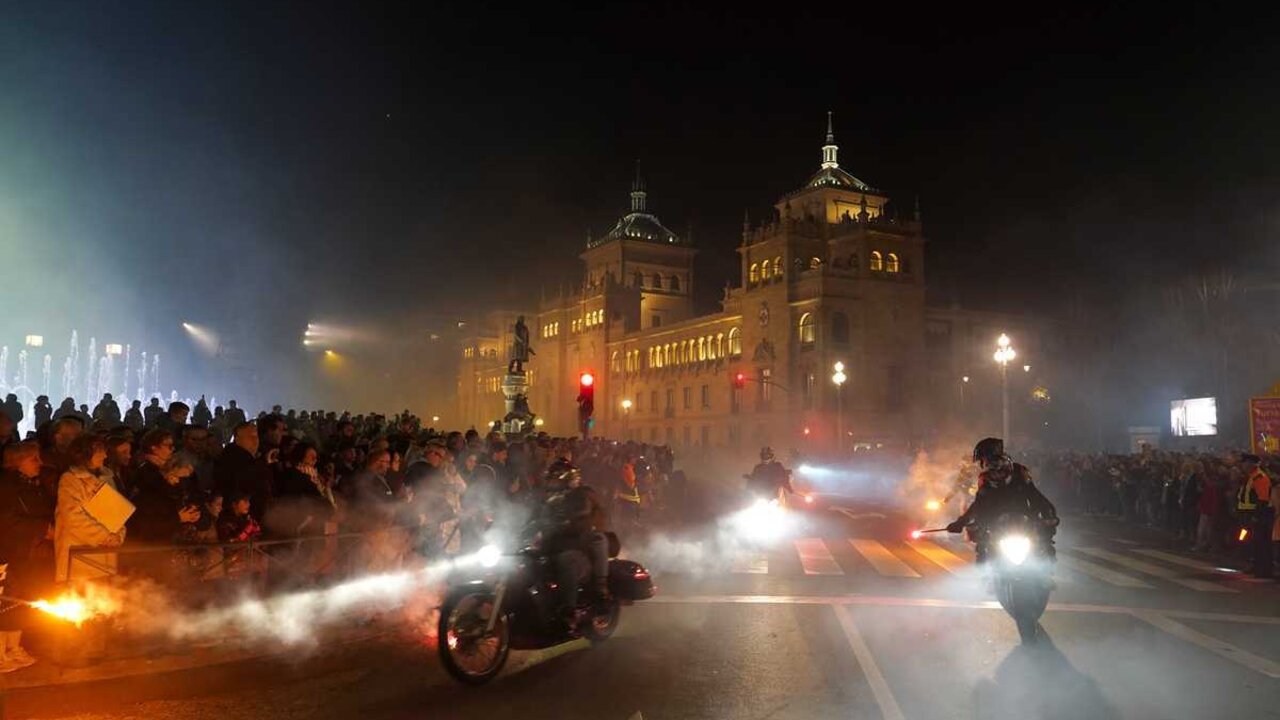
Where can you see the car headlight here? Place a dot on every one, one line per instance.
(488, 556)
(1015, 548)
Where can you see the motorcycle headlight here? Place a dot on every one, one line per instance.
(489, 555)
(1015, 548)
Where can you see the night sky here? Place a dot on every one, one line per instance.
(267, 164)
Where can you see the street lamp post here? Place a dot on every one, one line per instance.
(1003, 355)
(626, 418)
(838, 377)
(964, 380)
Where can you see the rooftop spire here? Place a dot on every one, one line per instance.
(637, 191)
(830, 150)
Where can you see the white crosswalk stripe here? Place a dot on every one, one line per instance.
(1159, 571)
(751, 563)
(939, 556)
(882, 559)
(1103, 573)
(816, 558)
(1197, 564)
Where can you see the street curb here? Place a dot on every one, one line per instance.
(142, 679)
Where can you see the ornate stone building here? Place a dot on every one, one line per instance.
(832, 278)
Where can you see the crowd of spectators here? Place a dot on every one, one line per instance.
(200, 477)
(1191, 496)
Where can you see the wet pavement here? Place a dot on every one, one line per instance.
(845, 617)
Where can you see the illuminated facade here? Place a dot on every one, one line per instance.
(831, 278)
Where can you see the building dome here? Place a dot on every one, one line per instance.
(836, 176)
(641, 226)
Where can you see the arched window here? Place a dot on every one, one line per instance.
(777, 266)
(765, 271)
(815, 263)
(891, 263)
(702, 349)
(639, 279)
(613, 362)
(652, 363)
(807, 332)
(657, 281)
(735, 342)
(719, 344)
(877, 263)
(839, 328)
(674, 282)
(753, 277)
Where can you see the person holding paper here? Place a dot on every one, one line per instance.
(74, 523)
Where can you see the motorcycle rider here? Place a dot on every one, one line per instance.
(1003, 487)
(769, 477)
(573, 521)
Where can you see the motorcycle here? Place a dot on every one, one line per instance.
(509, 605)
(1021, 560)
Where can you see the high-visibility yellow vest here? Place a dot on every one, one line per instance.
(1254, 490)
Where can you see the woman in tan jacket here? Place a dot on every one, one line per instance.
(73, 525)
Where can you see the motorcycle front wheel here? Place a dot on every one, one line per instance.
(470, 651)
(1025, 600)
(601, 625)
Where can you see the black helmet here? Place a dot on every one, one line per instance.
(561, 473)
(988, 449)
(766, 454)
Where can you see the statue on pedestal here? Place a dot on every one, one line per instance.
(520, 348)
(515, 386)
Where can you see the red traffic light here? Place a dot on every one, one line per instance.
(739, 380)
(587, 379)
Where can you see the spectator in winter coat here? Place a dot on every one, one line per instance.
(74, 526)
(43, 411)
(133, 417)
(153, 412)
(26, 518)
(107, 413)
(162, 507)
(13, 408)
(239, 472)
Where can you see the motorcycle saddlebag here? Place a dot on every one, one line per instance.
(629, 580)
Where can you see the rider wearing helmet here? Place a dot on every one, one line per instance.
(573, 522)
(1003, 487)
(769, 476)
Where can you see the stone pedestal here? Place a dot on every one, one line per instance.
(518, 421)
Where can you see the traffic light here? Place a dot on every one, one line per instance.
(586, 401)
(739, 380)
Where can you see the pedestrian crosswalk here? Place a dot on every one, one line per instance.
(1132, 567)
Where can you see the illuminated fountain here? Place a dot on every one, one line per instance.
(142, 379)
(128, 356)
(90, 371)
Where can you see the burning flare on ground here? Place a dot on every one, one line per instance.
(81, 605)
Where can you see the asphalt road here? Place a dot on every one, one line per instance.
(844, 617)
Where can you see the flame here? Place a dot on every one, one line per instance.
(77, 607)
(915, 534)
(933, 506)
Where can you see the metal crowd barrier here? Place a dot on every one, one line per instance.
(304, 558)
